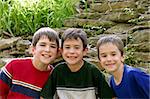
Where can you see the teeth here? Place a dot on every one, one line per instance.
(72, 57)
(110, 65)
(47, 56)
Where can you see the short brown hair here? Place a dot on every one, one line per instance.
(46, 31)
(114, 39)
(74, 33)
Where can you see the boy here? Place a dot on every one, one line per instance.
(127, 82)
(76, 78)
(24, 78)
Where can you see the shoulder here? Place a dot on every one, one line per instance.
(18, 62)
(133, 71)
(90, 65)
(137, 75)
(93, 68)
(60, 66)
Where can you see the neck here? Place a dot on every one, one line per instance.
(76, 67)
(39, 66)
(118, 74)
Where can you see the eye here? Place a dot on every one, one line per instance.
(103, 55)
(77, 47)
(53, 46)
(113, 54)
(42, 44)
(66, 47)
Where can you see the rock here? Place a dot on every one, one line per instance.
(95, 15)
(87, 22)
(140, 47)
(140, 36)
(22, 45)
(120, 17)
(92, 41)
(7, 43)
(119, 29)
(2, 63)
(109, 6)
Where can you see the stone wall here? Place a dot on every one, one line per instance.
(129, 19)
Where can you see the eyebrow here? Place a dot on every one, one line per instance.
(102, 53)
(52, 43)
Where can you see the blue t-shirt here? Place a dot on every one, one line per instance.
(135, 84)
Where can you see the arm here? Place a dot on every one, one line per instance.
(143, 80)
(49, 88)
(104, 90)
(5, 80)
(4, 89)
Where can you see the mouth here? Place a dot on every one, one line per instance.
(71, 57)
(110, 65)
(46, 55)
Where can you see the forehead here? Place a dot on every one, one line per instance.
(107, 47)
(73, 41)
(44, 37)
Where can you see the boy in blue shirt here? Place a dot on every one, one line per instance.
(127, 82)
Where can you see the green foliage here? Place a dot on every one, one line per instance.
(130, 58)
(25, 17)
(136, 20)
(97, 30)
(128, 11)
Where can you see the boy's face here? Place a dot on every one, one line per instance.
(110, 57)
(73, 51)
(45, 51)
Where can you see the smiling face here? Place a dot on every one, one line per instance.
(110, 57)
(73, 51)
(44, 52)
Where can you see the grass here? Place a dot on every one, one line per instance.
(25, 17)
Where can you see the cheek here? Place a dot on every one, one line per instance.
(118, 59)
(57, 53)
(101, 59)
(101, 62)
(63, 52)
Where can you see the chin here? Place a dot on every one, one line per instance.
(109, 70)
(71, 63)
(46, 62)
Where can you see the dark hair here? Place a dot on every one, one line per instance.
(114, 39)
(45, 31)
(73, 33)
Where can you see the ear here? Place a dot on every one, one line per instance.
(122, 58)
(59, 52)
(32, 49)
(85, 51)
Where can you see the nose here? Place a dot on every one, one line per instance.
(109, 58)
(71, 50)
(47, 48)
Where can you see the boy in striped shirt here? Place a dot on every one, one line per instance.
(24, 78)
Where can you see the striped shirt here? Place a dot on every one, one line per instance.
(20, 79)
